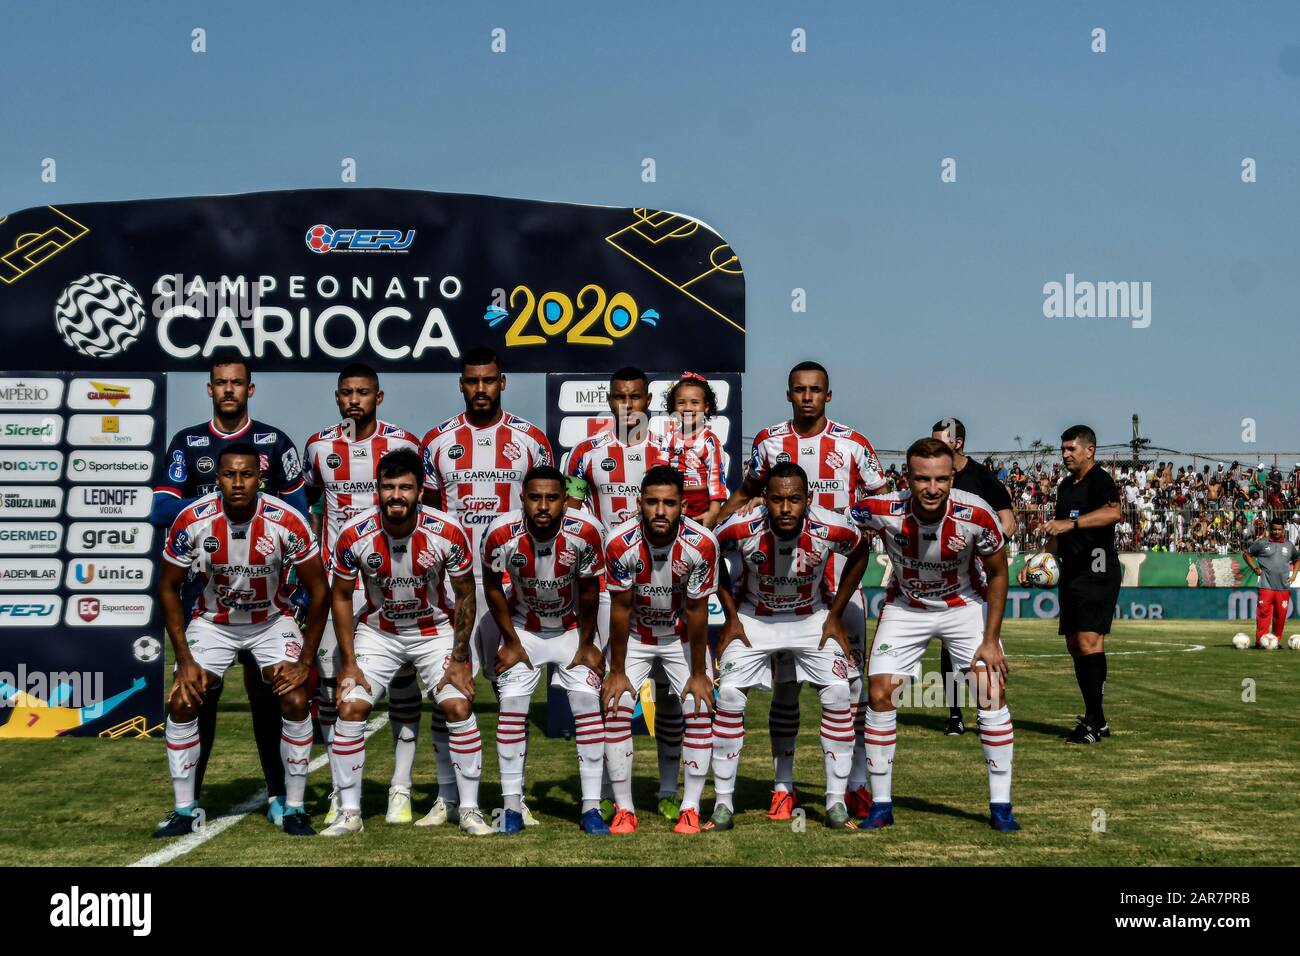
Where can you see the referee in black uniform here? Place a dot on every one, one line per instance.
(1082, 537)
(977, 479)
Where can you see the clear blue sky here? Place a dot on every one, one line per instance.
(821, 169)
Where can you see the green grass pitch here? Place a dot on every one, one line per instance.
(1200, 770)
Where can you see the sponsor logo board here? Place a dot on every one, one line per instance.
(34, 393)
(30, 610)
(111, 394)
(109, 574)
(104, 465)
(30, 430)
(37, 537)
(115, 430)
(18, 501)
(109, 610)
(31, 465)
(109, 537)
(30, 574)
(109, 501)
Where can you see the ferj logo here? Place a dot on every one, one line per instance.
(322, 239)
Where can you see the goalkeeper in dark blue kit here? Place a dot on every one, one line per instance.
(190, 472)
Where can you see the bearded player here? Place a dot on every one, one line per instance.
(605, 474)
(404, 554)
(662, 568)
(339, 467)
(783, 547)
(554, 559)
(840, 464)
(936, 537)
(474, 466)
(240, 544)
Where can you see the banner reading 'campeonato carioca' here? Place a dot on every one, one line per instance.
(308, 280)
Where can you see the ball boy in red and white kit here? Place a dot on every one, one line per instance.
(934, 536)
(474, 466)
(841, 465)
(783, 547)
(404, 555)
(605, 474)
(662, 567)
(339, 465)
(554, 559)
(240, 544)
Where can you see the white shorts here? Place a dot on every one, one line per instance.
(903, 634)
(542, 648)
(673, 661)
(215, 646)
(855, 622)
(381, 656)
(745, 667)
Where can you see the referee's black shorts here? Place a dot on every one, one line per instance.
(1088, 604)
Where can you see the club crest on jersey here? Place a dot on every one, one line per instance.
(608, 464)
(264, 438)
(962, 512)
(840, 669)
(681, 568)
(211, 545)
(512, 451)
(373, 560)
(834, 460)
(593, 679)
(332, 460)
(198, 441)
(456, 452)
(957, 542)
(425, 560)
(264, 546)
(293, 650)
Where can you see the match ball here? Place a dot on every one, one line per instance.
(1240, 641)
(1293, 642)
(1270, 642)
(1041, 570)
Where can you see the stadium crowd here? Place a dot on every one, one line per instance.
(1211, 509)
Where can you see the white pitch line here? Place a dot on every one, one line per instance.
(1182, 648)
(221, 824)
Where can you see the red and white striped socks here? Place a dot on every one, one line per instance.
(295, 755)
(182, 758)
(836, 739)
(589, 734)
(618, 751)
(442, 756)
(465, 746)
(998, 742)
(697, 748)
(512, 747)
(881, 735)
(728, 741)
(348, 762)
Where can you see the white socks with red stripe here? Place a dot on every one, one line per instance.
(466, 757)
(728, 741)
(783, 725)
(348, 762)
(512, 747)
(295, 754)
(618, 751)
(999, 743)
(697, 748)
(404, 714)
(668, 739)
(837, 739)
(589, 734)
(858, 769)
(442, 757)
(182, 758)
(881, 733)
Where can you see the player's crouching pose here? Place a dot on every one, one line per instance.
(404, 553)
(933, 536)
(662, 568)
(555, 559)
(783, 547)
(240, 544)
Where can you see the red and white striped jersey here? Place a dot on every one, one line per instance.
(405, 579)
(934, 564)
(244, 567)
(661, 578)
(612, 471)
(698, 458)
(785, 575)
(839, 461)
(480, 471)
(346, 470)
(544, 574)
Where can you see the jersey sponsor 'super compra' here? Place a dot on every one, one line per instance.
(405, 579)
(661, 577)
(345, 469)
(480, 471)
(544, 574)
(934, 563)
(785, 575)
(244, 568)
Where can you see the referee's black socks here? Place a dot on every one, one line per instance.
(1090, 672)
